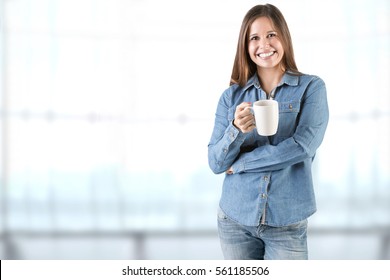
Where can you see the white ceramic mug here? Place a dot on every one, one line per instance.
(266, 116)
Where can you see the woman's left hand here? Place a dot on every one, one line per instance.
(229, 171)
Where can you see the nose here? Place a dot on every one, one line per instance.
(264, 43)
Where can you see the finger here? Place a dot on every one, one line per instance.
(240, 122)
(229, 171)
(249, 128)
(243, 113)
(248, 118)
(246, 112)
(248, 123)
(243, 106)
(244, 121)
(245, 124)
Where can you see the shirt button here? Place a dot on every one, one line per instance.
(266, 178)
(263, 195)
(290, 106)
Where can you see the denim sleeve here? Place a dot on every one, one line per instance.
(308, 136)
(226, 139)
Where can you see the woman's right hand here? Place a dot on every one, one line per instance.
(243, 117)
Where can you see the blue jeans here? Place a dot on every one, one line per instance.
(263, 242)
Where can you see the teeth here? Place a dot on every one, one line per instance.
(264, 55)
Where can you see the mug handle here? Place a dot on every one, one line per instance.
(253, 113)
(250, 108)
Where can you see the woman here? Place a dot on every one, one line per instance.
(267, 192)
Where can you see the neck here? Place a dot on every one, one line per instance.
(270, 78)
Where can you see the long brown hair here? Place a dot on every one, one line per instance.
(244, 68)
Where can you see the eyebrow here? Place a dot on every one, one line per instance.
(268, 32)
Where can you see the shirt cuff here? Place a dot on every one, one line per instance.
(238, 166)
(235, 134)
(238, 137)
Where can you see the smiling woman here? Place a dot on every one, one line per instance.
(267, 52)
(264, 46)
(268, 192)
(262, 35)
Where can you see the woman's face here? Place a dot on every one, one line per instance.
(264, 47)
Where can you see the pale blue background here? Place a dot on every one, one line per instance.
(107, 107)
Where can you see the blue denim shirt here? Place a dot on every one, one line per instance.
(272, 180)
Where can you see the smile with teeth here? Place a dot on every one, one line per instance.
(265, 55)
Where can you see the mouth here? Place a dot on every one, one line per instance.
(266, 55)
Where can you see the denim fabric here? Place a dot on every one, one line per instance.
(271, 182)
(263, 242)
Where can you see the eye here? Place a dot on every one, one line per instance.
(254, 38)
(271, 35)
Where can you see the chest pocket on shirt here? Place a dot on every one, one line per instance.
(288, 117)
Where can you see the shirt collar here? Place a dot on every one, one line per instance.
(288, 79)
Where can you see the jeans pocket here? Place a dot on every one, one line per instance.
(299, 229)
(300, 224)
